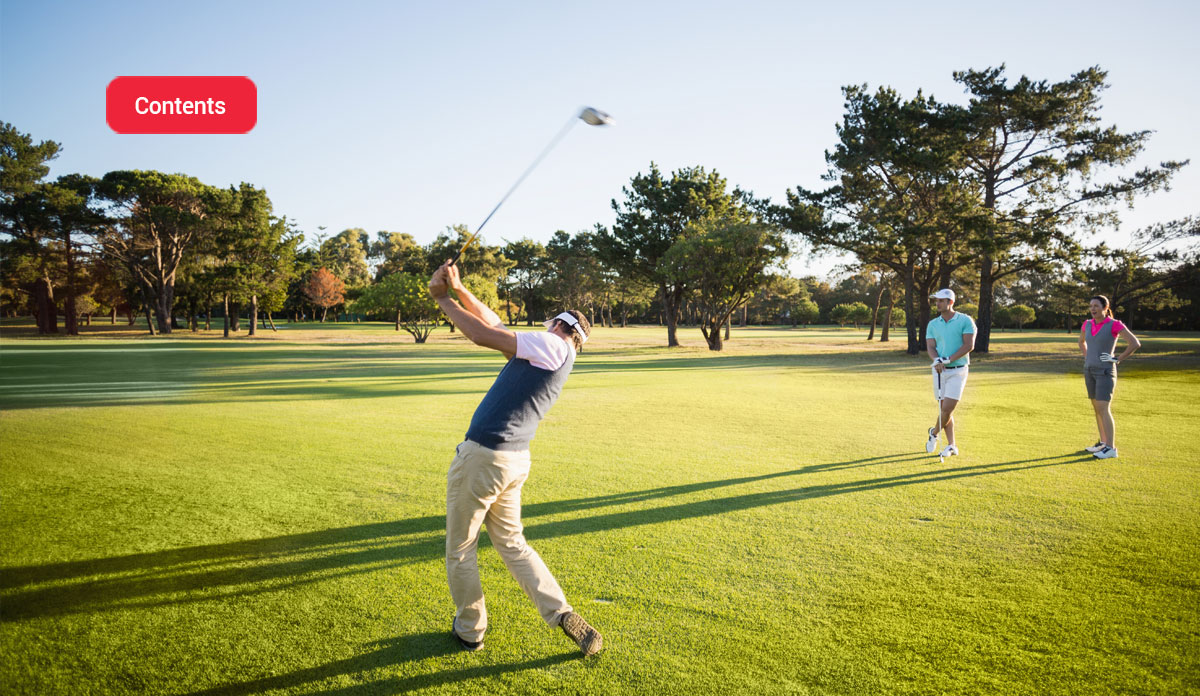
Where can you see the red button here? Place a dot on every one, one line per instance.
(182, 105)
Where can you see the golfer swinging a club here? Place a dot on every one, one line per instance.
(492, 463)
(949, 340)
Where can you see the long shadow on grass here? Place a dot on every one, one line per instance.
(384, 655)
(222, 571)
(37, 375)
(85, 376)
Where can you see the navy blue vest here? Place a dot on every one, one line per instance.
(508, 416)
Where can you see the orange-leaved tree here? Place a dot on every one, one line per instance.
(325, 290)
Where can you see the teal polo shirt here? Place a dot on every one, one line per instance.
(949, 336)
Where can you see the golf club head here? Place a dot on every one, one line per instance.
(594, 117)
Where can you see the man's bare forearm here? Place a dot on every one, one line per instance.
(463, 319)
(476, 331)
(472, 304)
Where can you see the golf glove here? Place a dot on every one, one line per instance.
(1109, 358)
(940, 360)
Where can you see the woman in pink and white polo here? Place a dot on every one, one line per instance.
(1098, 340)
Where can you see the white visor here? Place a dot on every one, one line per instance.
(572, 322)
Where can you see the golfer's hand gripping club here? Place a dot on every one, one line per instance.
(452, 275)
(439, 283)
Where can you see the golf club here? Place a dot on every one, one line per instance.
(588, 115)
(941, 457)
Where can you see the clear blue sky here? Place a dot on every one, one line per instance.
(410, 117)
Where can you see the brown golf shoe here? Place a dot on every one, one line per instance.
(587, 638)
(469, 646)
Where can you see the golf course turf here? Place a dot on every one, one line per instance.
(191, 515)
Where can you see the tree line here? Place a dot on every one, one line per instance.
(993, 197)
(996, 194)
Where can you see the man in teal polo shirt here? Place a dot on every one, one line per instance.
(949, 340)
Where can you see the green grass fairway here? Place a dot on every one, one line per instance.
(186, 515)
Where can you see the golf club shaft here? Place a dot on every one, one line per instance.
(561, 134)
(939, 381)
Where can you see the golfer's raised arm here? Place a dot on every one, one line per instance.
(473, 327)
(469, 301)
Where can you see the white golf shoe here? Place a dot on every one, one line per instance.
(931, 443)
(1096, 447)
(949, 451)
(1106, 453)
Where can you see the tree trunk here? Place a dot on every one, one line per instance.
(149, 305)
(397, 320)
(887, 321)
(711, 328)
(924, 315)
(113, 315)
(671, 302)
(910, 307)
(208, 318)
(131, 315)
(983, 323)
(728, 321)
(944, 276)
(324, 313)
(745, 313)
(226, 315)
(875, 314)
(165, 307)
(271, 322)
(71, 319)
(714, 340)
(47, 311)
(253, 314)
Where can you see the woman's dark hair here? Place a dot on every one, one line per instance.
(1103, 303)
(583, 324)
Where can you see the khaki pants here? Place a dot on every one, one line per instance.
(485, 485)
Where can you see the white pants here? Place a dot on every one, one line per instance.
(953, 383)
(485, 485)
